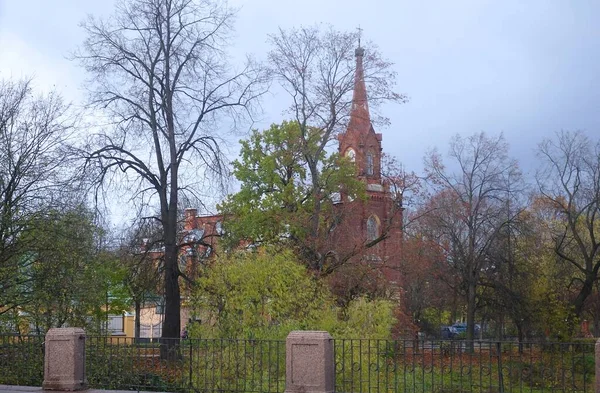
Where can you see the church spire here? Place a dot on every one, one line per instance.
(360, 120)
(360, 143)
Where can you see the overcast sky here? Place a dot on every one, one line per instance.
(525, 68)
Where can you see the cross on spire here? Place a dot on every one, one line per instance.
(359, 34)
(360, 120)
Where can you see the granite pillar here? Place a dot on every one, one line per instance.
(309, 361)
(64, 359)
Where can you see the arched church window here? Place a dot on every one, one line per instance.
(372, 228)
(370, 164)
(351, 154)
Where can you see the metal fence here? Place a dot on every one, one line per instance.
(21, 360)
(223, 365)
(455, 366)
(199, 365)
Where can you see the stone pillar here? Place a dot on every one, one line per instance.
(309, 362)
(64, 359)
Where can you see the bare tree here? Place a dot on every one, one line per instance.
(569, 181)
(160, 73)
(406, 188)
(468, 210)
(316, 68)
(33, 173)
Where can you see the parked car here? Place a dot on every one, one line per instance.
(461, 328)
(448, 332)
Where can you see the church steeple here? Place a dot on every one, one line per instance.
(360, 142)
(360, 120)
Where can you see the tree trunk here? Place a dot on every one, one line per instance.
(586, 290)
(172, 323)
(138, 324)
(316, 213)
(520, 335)
(500, 327)
(454, 307)
(470, 315)
(317, 199)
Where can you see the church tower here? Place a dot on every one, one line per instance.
(360, 143)
(378, 215)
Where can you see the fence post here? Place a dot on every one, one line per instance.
(309, 362)
(597, 356)
(64, 359)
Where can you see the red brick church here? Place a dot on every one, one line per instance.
(381, 214)
(364, 222)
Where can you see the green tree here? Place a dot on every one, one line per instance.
(33, 174)
(316, 67)
(364, 318)
(523, 281)
(266, 293)
(276, 201)
(258, 294)
(72, 280)
(569, 182)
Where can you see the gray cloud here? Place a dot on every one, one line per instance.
(527, 69)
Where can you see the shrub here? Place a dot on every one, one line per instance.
(265, 294)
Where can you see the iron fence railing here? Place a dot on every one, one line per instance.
(198, 365)
(361, 365)
(21, 360)
(455, 366)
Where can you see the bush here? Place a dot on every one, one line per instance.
(265, 294)
(21, 360)
(372, 319)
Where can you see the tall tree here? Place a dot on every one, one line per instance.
(33, 172)
(316, 67)
(510, 263)
(159, 72)
(569, 181)
(275, 202)
(468, 209)
(517, 268)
